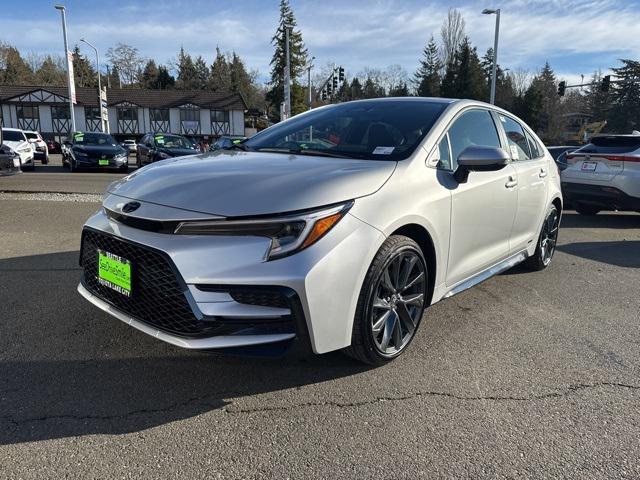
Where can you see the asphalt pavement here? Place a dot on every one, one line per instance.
(526, 375)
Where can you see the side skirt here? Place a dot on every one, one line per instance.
(488, 273)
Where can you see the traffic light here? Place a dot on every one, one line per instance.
(606, 83)
(329, 90)
(324, 95)
(562, 86)
(335, 83)
(341, 74)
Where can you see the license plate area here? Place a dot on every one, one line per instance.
(114, 272)
(103, 162)
(589, 166)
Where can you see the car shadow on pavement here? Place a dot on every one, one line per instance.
(572, 219)
(621, 253)
(67, 369)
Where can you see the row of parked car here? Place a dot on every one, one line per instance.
(25, 147)
(102, 151)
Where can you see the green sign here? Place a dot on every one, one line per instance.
(114, 272)
(103, 162)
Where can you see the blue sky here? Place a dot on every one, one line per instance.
(576, 37)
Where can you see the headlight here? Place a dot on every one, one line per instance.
(26, 148)
(289, 234)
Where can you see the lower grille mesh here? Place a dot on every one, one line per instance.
(157, 295)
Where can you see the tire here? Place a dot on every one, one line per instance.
(392, 305)
(587, 209)
(72, 167)
(547, 241)
(138, 162)
(124, 169)
(45, 161)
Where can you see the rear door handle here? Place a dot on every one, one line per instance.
(511, 183)
(543, 173)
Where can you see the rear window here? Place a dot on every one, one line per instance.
(612, 144)
(31, 135)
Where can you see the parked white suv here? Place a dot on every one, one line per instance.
(17, 141)
(40, 146)
(335, 228)
(604, 175)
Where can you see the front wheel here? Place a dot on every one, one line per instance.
(391, 302)
(547, 241)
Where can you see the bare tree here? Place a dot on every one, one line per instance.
(452, 33)
(128, 61)
(521, 79)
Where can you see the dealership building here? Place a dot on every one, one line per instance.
(131, 112)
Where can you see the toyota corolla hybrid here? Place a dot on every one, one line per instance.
(334, 229)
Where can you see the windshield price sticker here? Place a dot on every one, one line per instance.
(78, 136)
(383, 150)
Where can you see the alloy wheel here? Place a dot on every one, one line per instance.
(397, 303)
(549, 236)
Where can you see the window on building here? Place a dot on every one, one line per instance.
(220, 122)
(127, 119)
(190, 121)
(159, 114)
(127, 113)
(220, 116)
(61, 119)
(92, 120)
(92, 113)
(28, 118)
(60, 112)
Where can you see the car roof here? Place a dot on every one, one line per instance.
(12, 129)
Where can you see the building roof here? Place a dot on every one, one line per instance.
(137, 96)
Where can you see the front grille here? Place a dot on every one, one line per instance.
(94, 155)
(263, 299)
(157, 297)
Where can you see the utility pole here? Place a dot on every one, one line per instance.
(309, 67)
(488, 11)
(66, 55)
(287, 73)
(99, 83)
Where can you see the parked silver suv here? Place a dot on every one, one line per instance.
(604, 175)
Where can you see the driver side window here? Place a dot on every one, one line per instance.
(472, 128)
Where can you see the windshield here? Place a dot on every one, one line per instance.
(379, 130)
(13, 136)
(172, 141)
(93, 139)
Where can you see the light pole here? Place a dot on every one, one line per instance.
(309, 67)
(287, 72)
(99, 82)
(66, 56)
(488, 11)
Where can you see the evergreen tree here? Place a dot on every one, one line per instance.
(113, 77)
(50, 72)
(551, 122)
(84, 74)
(625, 114)
(355, 89)
(372, 89)
(201, 71)
(529, 107)
(470, 79)
(14, 70)
(598, 102)
(427, 77)
(186, 71)
(298, 60)
(149, 77)
(220, 76)
(505, 90)
(164, 80)
(400, 90)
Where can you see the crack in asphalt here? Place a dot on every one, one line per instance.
(228, 408)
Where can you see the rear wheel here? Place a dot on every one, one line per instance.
(587, 209)
(391, 302)
(546, 241)
(45, 160)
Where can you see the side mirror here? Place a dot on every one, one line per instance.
(479, 159)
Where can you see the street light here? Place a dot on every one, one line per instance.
(488, 11)
(309, 67)
(66, 56)
(287, 72)
(99, 83)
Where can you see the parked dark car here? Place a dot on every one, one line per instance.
(559, 154)
(53, 146)
(226, 142)
(158, 146)
(95, 150)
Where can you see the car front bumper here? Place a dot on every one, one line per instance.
(235, 295)
(116, 162)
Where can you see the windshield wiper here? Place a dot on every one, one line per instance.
(305, 151)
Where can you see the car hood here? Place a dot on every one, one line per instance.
(15, 144)
(234, 183)
(98, 149)
(178, 152)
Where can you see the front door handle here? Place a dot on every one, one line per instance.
(511, 183)
(543, 173)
